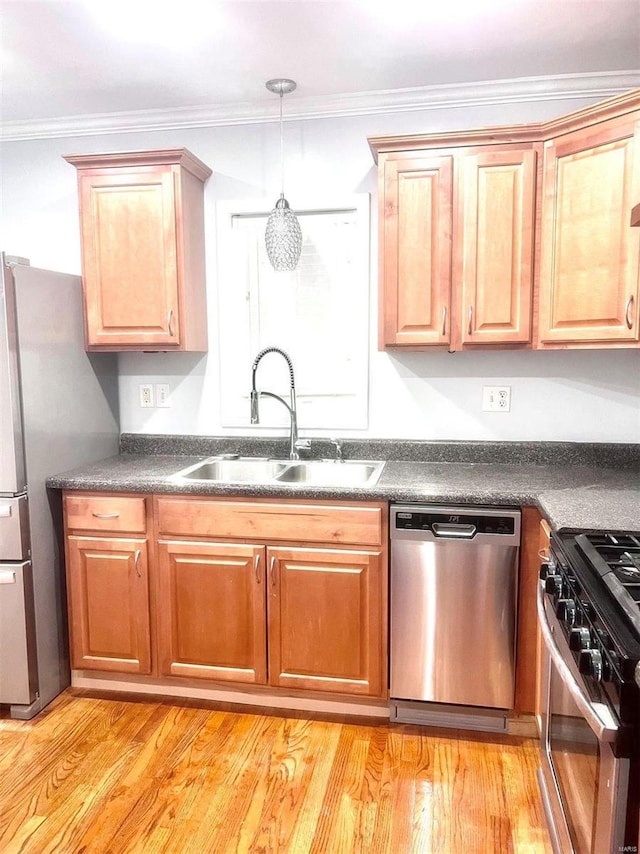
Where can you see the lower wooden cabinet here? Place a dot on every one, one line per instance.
(211, 611)
(325, 620)
(108, 592)
(303, 607)
(289, 617)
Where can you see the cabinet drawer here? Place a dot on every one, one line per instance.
(273, 520)
(105, 513)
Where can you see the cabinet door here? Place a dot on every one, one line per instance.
(109, 604)
(211, 611)
(495, 246)
(590, 252)
(130, 264)
(415, 250)
(325, 620)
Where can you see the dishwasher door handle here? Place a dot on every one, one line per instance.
(453, 531)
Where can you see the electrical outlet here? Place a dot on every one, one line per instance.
(146, 394)
(163, 391)
(496, 398)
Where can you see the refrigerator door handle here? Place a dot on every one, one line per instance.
(19, 660)
(14, 528)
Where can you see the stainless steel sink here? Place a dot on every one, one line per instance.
(332, 473)
(241, 470)
(259, 470)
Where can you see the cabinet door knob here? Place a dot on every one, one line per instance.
(444, 319)
(136, 563)
(257, 568)
(470, 328)
(627, 314)
(170, 323)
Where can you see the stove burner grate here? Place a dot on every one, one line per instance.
(616, 559)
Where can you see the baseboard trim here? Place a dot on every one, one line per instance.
(222, 694)
(522, 726)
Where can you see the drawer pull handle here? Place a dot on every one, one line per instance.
(444, 320)
(627, 314)
(106, 515)
(136, 563)
(170, 323)
(257, 568)
(470, 329)
(272, 567)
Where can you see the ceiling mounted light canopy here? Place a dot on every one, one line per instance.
(283, 236)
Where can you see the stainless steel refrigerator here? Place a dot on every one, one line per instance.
(58, 410)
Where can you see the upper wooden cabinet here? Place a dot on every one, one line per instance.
(589, 250)
(513, 236)
(142, 232)
(494, 251)
(456, 242)
(415, 236)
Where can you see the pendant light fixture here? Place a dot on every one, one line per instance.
(283, 236)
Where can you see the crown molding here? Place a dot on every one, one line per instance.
(531, 132)
(519, 90)
(157, 157)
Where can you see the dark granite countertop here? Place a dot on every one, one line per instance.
(576, 486)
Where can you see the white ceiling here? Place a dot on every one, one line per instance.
(89, 57)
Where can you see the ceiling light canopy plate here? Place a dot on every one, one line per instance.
(281, 86)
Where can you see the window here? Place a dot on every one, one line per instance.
(318, 314)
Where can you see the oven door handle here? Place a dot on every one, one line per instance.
(597, 715)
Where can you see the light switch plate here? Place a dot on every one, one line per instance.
(163, 394)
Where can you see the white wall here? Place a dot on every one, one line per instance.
(573, 396)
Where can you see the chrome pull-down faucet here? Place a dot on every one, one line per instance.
(294, 443)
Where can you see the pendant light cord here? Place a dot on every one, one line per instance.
(281, 144)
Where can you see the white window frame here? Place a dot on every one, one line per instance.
(348, 407)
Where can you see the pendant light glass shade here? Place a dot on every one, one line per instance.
(283, 235)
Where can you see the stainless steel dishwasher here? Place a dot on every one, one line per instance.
(454, 577)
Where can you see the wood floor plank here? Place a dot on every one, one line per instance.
(321, 765)
(239, 770)
(113, 775)
(288, 778)
(83, 754)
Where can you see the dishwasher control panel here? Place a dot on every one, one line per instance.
(460, 523)
(425, 521)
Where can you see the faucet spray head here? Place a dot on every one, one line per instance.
(255, 415)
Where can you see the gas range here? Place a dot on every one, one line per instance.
(589, 617)
(593, 580)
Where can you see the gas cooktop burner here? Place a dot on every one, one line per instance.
(626, 566)
(616, 559)
(617, 553)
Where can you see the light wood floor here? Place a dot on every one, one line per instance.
(94, 775)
